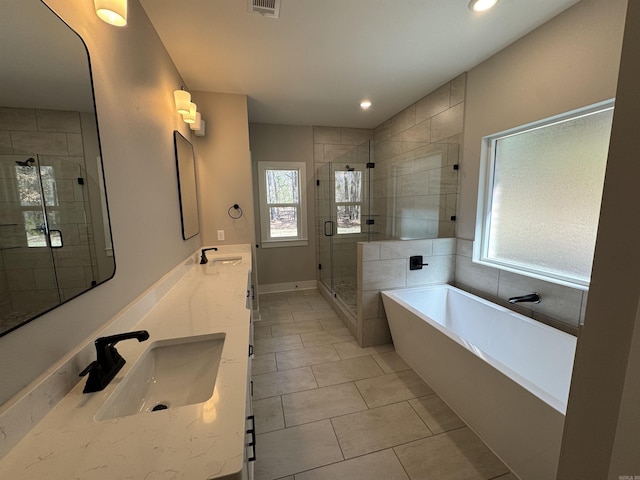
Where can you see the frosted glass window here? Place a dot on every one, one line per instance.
(543, 189)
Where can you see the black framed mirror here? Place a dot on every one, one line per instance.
(55, 238)
(188, 192)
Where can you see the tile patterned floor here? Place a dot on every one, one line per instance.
(327, 409)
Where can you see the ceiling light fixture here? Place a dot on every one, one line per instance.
(365, 104)
(481, 5)
(114, 12)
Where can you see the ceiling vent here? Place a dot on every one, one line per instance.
(266, 8)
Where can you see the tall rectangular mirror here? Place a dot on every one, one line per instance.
(186, 166)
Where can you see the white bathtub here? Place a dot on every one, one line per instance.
(506, 375)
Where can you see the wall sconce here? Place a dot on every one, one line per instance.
(189, 111)
(198, 126)
(114, 12)
(190, 116)
(183, 100)
(480, 6)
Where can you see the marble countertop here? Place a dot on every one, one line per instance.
(200, 441)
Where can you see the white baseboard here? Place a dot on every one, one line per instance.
(288, 287)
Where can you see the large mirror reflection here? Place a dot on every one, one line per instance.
(55, 240)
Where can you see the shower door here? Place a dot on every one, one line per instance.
(45, 240)
(344, 220)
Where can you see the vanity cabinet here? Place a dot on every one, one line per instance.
(250, 436)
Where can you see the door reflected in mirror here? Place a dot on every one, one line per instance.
(55, 239)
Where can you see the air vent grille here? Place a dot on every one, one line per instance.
(267, 8)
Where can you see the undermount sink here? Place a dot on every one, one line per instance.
(226, 261)
(169, 374)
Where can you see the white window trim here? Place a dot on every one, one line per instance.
(485, 188)
(266, 240)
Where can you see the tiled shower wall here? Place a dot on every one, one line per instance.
(416, 155)
(27, 282)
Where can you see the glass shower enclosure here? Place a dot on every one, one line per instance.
(47, 252)
(344, 218)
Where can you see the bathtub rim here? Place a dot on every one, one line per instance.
(548, 398)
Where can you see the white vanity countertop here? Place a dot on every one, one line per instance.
(200, 441)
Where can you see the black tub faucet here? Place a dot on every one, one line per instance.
(108, 361)
(203, 255)
(531, 298)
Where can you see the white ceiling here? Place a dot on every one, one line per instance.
(314, 64)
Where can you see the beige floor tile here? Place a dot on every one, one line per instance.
(455, 455)
(321, 403)
(353, 350)
(271, 318)
(296, 449)
(324, 337)
(300, 316)
(390, 362)
(296, 327)
(261, 331)
(299, 307)
(331, 323)
(277, 344)
(263, 364)
(279, 383)
(378, 428)
(392, 388)
(346, 371)
(508, 476)
(297, 299)
(436, 414)
(306, 356)
(268, 414)
(382, 465)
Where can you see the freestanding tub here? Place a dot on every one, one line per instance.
(506, 375)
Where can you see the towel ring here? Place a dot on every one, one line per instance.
(236, 207)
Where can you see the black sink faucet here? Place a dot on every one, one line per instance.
(532, 297)
(203, 255)
(108, 361)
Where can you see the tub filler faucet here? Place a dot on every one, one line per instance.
(531, 298)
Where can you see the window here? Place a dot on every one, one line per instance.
(348, 199)
(283, 219)
(29, 190)
(540, 193)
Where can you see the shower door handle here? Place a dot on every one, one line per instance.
(55, 239)
(330, 223)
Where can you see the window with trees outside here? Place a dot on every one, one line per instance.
(540, 193)
(348, 200)
(282, 203)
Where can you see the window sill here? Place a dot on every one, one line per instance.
(285, 243)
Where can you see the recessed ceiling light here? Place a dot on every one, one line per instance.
(365, 104)
(481, 5)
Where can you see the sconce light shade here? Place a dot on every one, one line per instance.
(114, 12)
(190, 117)
(195, 126)
(182, 99)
